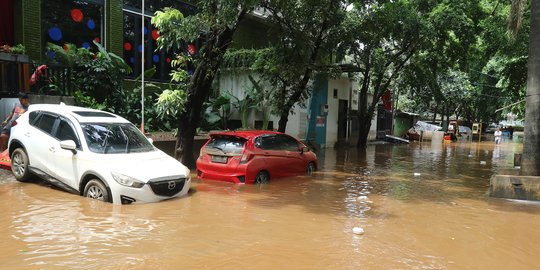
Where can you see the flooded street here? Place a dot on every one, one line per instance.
(422, 206)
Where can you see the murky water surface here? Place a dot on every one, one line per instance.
(425, 207)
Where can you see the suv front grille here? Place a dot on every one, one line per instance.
(167, 187)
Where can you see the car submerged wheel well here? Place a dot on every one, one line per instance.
(14, 145)
(89, 176)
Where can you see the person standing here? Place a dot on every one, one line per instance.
(498, 134)
(18, 109)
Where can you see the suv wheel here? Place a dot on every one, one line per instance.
(95, 189)
(19, 165)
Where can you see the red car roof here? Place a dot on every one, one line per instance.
(246, 134)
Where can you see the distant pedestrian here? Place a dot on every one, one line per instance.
(498, 134)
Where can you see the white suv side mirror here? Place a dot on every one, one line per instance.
(69, 145)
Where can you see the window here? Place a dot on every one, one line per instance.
(105, 138)
(277, 142)
(65, 132)
(227, 144)
(72, 21)
(287, 143)
(132, 37)
(46, 123)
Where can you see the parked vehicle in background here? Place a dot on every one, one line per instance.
(95, 154)
(254, 157)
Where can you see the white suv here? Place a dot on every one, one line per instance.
(95, 154)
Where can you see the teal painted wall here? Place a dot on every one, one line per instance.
(319, 98)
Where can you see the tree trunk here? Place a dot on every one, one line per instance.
(189, 121)
(363, 133)
(284, 117)
(530, 163)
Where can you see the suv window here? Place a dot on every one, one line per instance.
(65, 132)
(227, 144)
(45, 122)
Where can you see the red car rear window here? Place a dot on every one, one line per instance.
(227, 144)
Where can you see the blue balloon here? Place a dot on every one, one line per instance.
(86, 45)
(140, 48)
(132, 60)
(51, 54)
(155, 58)
(145, 30)
(55, 33)
(91, 24)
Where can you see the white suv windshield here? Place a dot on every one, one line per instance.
(107, 138)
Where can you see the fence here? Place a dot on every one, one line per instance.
(16, 72)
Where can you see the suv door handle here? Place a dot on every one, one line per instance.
(27, 134)
(52, 149)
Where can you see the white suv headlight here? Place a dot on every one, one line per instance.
(127, 181)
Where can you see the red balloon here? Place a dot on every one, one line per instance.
(168, 60)
(155, 34)
(77, 15)
(127, 46)
(98, 40)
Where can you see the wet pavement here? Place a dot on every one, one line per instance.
(420, 206)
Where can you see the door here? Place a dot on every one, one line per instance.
(41, 144)
(342, 121)
(293, 162)
(66, 163)
(272, 155)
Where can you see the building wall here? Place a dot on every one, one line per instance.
(114, 23)
(343, 87)
(27, 16)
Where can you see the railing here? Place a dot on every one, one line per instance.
(19, 75)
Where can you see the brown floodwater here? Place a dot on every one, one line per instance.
(426, 207)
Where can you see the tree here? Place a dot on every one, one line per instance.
(381, 38)
(306, 33)
(213, 25)
(531, 145)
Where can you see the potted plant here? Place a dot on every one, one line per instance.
(13, 54)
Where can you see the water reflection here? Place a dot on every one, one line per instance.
(422, 206)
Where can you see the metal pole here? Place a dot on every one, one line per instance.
(142, 68)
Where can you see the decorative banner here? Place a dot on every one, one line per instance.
(155, 34)
(155, 58)
(127, 46)
(91, 24)
(77, 15)
(191, 49)
(55, 33)
(86, 45)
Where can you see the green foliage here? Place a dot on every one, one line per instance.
(170, 103)
(18, 49)
(217, 111)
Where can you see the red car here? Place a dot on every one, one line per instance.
(253, 157)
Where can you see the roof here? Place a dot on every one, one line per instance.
(83, 115)
(246, 134)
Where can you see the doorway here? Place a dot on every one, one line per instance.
(342, 120)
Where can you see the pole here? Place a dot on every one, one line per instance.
(142, 68)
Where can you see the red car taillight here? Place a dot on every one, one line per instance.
(246, 157)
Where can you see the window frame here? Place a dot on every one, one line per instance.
(70, 124)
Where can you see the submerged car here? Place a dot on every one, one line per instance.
(95, 154)
(253, 157)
